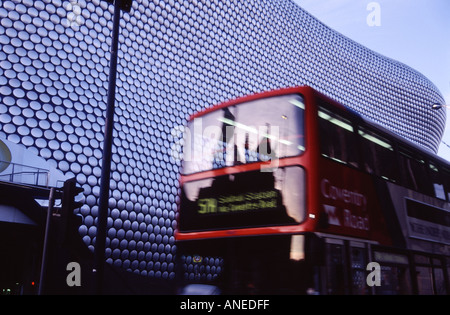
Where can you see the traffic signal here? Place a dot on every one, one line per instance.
(68, 220)
(70, 191)
(125, 5)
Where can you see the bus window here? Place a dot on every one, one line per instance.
(337, 139)
(378, 154)
(254, 131)
(414, 172)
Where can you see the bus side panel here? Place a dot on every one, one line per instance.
(349, 203)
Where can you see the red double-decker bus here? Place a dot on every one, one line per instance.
(289, 192)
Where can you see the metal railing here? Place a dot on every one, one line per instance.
(24, 174)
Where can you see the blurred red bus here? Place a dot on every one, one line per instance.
(289, 192)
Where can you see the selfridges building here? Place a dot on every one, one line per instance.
(176, 57)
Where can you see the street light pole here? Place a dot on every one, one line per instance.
(439, 106)
(100, 241)
(51, 201)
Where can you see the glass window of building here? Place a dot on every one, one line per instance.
(436, 176)
(395, 273)
(358, 260)
(446, 180)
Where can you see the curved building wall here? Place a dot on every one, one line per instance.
(175, 57)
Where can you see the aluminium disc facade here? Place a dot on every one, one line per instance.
(176, 57)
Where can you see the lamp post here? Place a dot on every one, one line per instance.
(100, 243)
(439, 106)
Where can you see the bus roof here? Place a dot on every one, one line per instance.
(251, 97)
(306, 90)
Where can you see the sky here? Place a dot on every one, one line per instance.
(414, 32)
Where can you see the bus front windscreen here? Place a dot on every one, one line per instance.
(260, 130)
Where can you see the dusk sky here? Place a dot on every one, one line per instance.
(414, 32)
